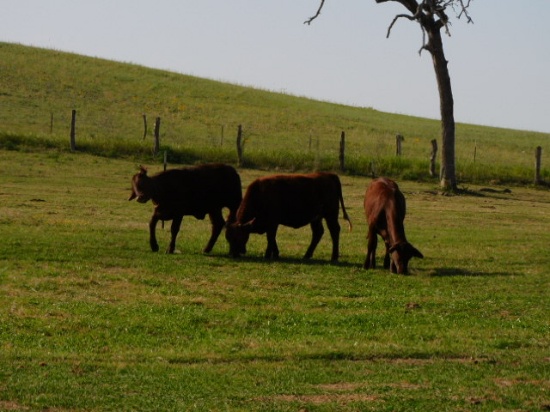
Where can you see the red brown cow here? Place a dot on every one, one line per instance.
(385, 210)
(289, 200)
(194, 191)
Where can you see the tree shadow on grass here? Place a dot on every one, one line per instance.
(450, 272)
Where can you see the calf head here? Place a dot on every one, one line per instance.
(400, 254)
(237, 235)
(139, 183)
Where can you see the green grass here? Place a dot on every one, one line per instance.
(90, 319)
(281, 131)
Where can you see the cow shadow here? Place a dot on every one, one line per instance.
(284, 260)
(460, 272)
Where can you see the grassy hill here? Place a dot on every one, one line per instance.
(91, 320)
(199, 119)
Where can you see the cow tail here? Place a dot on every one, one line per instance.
(346, 217)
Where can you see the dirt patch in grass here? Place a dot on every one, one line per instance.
(338, 398)
(12, 406)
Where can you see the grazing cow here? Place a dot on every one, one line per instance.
(289, 200)
(194, 191)
(385, 210)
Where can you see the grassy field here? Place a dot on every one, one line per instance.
(91, 320)
(281, 131)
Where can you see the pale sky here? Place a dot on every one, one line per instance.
(499, 66)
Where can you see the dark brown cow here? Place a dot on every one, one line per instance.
(385, 210)
(194, 191)
(289, 200)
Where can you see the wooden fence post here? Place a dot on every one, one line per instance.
(240, 146)
(317, 161)
(342, 156)
(73, 131)
(433, 156)
(398, 144)
(144, 126)
(156, 148)
(538, 157)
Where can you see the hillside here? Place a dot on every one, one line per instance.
(199, 119)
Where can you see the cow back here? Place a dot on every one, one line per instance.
(199, 189)
(290, 200)
(383, 201)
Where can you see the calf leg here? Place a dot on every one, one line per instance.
(218, 223)
(386, 238)
(387, 258)
(317, 231)
(372, 242)
(272, 251)
(152, 234)
(174, 230)
(334, 229)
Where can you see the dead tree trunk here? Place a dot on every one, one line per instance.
(446, 104)
(433, 156)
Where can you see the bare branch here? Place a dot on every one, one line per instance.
(308, 21)
(464, 11)
(399, 16)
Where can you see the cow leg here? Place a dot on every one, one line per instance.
(387, 258)
(317, 231)
(334, 229)
(393, 267)
(152, 234)
(272, 251)
(218, 223)
(372, 242)
(174, 230)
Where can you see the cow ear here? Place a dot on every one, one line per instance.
(416, 253)
(394, 248)
(142, 170)
(248, 224)
(132, 196)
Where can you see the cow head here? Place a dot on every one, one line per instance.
(237, 235)
(139, 181)
(400, 254)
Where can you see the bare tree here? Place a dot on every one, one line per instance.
(432, 17)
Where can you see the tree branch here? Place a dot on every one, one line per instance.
(399, 16)
(308, 21)
(411, 5)
(464, 11)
